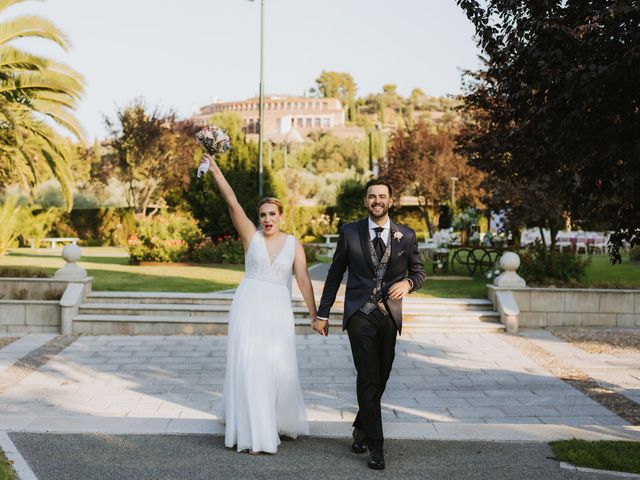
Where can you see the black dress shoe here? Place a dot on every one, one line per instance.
(376, 459)
(358, 445)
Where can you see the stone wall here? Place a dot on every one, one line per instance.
(32, 314)
(551, 307)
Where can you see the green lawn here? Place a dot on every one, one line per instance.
(620, 456)
(602, 273)
(6, 471)
(473, 288)
(111, 271)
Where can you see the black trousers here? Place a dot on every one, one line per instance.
(373, 343)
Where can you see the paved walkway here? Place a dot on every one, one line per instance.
(619, 371)
(152, 457)
(444, 386)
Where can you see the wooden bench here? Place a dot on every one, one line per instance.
(55, 240)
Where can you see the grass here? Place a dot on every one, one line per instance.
(602, 274)
(111, 271)
(474, 288)
(621, 456)
(6, 470)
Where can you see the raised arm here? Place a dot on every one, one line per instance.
(304, 281)
(245, 227)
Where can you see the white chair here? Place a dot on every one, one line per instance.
(529, 236)
(600, 244)
(581, 243)
(563, 240)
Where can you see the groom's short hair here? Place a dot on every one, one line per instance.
(377, 181)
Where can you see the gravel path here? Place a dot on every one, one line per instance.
(4, 341)
(601, 339)
(33, 361)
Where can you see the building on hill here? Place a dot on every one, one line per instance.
(285, 117)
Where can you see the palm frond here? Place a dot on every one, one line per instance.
(63, 174)
(14, 58)
(55, 98)
(4, 4)
(32, 26)
(61, 116)
(48, 81)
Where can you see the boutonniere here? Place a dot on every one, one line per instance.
(397, 235)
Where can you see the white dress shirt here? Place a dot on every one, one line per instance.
(384, 234)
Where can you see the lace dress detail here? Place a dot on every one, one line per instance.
(262, 397)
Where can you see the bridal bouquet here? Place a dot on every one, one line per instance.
(215, 141)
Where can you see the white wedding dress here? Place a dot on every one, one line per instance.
(262, 395)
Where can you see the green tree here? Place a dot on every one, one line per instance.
(152, 152)
(328, 153)
(553, 114)
(339, 85)
(421, 162)
(350, 201)
(32, 89)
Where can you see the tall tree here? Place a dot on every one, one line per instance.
(421, 162)
(554, 113)
(152, 151)
(32, 89)
(340, 85)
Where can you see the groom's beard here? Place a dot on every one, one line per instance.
(381, 213)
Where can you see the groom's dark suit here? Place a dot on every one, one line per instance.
(372, 335)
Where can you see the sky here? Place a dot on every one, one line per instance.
(184, 54)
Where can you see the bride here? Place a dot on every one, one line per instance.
(262, 396)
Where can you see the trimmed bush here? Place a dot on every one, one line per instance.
(539, 266)
(23, 272)
(163, 237)
(224, 250)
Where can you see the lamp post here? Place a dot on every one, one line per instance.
(453, 191)
(261, 104)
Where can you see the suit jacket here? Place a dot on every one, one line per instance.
(353, 253)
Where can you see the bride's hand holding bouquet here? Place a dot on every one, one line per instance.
(214, 141)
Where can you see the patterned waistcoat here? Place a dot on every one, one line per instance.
(380, 268)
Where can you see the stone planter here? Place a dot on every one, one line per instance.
(32, 314)
(23, 308)
(574, 307)
(522, 306)
(29, 316)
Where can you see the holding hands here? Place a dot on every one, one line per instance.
(320, 326)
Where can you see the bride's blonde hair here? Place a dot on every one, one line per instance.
(273, 201)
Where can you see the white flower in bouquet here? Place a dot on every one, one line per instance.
(214, 141)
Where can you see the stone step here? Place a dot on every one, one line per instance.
(439, 325)
(410, 312)
(160, 297)
(111, 324)
(226, 298)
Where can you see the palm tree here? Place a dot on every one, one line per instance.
(34, 92)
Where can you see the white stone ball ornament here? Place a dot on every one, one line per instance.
(71, 271)
(509, 262)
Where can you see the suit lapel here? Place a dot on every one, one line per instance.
(364, 242)
(393, 228)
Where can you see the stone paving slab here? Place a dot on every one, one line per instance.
(443, 385)
(619, 371)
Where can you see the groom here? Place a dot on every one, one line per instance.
(384, 266)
